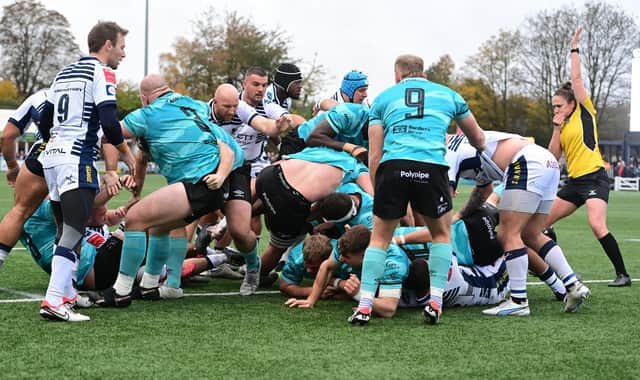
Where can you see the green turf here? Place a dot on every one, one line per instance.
(257, 337)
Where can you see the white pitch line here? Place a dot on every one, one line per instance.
(35, 297)
(222, 294)
(21, 300)
(21, 293)
(228, 293)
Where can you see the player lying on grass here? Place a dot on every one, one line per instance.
(405, 283)
(99, 251)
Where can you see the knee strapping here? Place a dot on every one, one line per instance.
(70, 236)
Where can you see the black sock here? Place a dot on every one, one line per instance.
(610, 246)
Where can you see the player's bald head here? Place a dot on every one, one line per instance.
(225, 93)
(225, 102)
(153, 83)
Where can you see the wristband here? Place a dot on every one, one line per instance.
(576, 50)
(336, 282)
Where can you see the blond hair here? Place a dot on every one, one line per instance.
(316, 246)
(408, 65)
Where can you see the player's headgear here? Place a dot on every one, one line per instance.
(286, 74)
(352, 81)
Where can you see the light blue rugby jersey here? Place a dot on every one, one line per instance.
(346, 119)
(294, 272)
(365, 213)
(415, 114)
(180, 138)
(396, 267)
(459, 242)
(38, 236)
(419, 250)
(305, 129)
(351, 168)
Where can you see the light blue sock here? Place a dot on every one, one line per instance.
(177, 253)
(372, 270)
(134, 248)
(251, 258)
(157, 253)
(439, 263)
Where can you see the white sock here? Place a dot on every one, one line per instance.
(517, 264)
(61, 269)
(150, 281)
(123, 284)
(216, 259)
(558, 262)
(3, 254)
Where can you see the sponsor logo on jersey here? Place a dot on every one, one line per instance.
(88, 171)
(109, 76)
(413, 175)
(399, 129)
(111, 89)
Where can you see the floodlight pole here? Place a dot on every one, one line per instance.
(146, 37)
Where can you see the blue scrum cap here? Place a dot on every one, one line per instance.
(353, 81)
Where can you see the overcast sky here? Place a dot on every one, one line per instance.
(344, 34)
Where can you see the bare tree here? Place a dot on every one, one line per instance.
(610, 36)
(36, 42)
(497, 64)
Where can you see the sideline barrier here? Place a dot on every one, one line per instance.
(626, 184)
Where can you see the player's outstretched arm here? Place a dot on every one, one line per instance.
(577, 84)
(321, 281)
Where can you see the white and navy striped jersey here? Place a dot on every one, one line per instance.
(476, 285)
(337, 96)
(29, 112)
(465, 162)
(271, 96)
(251, 140)
(76, 94)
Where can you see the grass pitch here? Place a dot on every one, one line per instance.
(234, 337)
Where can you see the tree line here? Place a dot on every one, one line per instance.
(508, 82)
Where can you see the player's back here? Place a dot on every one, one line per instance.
(29, 111)
(415, 114)
(179, 136)
(76, 94)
